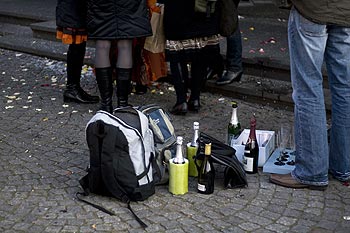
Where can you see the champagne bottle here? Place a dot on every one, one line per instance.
(192, 151)
(195, 134)
(179, 159)
(234, 127)
(251, 150)
(206, 174)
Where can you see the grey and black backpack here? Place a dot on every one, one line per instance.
(122, 152)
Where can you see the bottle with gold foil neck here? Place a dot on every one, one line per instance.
(206, 173)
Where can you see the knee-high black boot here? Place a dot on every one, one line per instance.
(123, 86)
(105, 86)
(75, 60)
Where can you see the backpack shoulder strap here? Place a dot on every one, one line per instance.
(107, 176)
(110, 181)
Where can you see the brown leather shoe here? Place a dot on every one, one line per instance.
(286, 180)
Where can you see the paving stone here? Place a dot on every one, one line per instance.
(249, 226)
(277, 228)
(286, 221)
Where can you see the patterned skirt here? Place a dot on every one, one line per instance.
(184, 50)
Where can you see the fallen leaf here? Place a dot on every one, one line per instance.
(11, 97)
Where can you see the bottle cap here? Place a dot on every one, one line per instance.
(234, 104)
(179, 140)
(253, 120)
(207, 149)
(195, 125)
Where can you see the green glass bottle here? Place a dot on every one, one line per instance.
(234, 127)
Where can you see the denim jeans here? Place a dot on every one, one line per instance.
(310, 45)
(234, 51)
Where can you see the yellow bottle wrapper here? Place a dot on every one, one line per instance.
(178, 177)
(191, 151)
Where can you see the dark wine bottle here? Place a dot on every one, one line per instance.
(251, 150)
(206, 174)
(234, 127)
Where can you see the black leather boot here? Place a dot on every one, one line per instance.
(73, 92)
(105, 86)
(123, 86)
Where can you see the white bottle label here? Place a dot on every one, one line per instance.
(201, 187)
(248, 163)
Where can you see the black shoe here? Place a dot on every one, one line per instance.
(228, 77)
(76, 94)
(194, 105)
(179, 109)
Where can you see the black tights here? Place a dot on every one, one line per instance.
(181, 80)
(75, 61)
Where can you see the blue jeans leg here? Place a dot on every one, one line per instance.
(307, 44)
(338, 66)
(234, 51)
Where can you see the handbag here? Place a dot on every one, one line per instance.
(228, 17)
(156, 42)
(234, 174)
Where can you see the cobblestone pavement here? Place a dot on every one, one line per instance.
(43, 154)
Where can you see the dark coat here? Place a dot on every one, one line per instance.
(182, 22)
(118, 19)
(325, 11)
(71, 14)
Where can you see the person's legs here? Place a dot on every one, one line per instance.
(180, 108)
(234, 52)
(124, 71)
(337, 59)
(234, 67)
(104, 74)
(75, 60)
(307, 43)
(198, 72)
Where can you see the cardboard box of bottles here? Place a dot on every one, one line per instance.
(266, 142)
